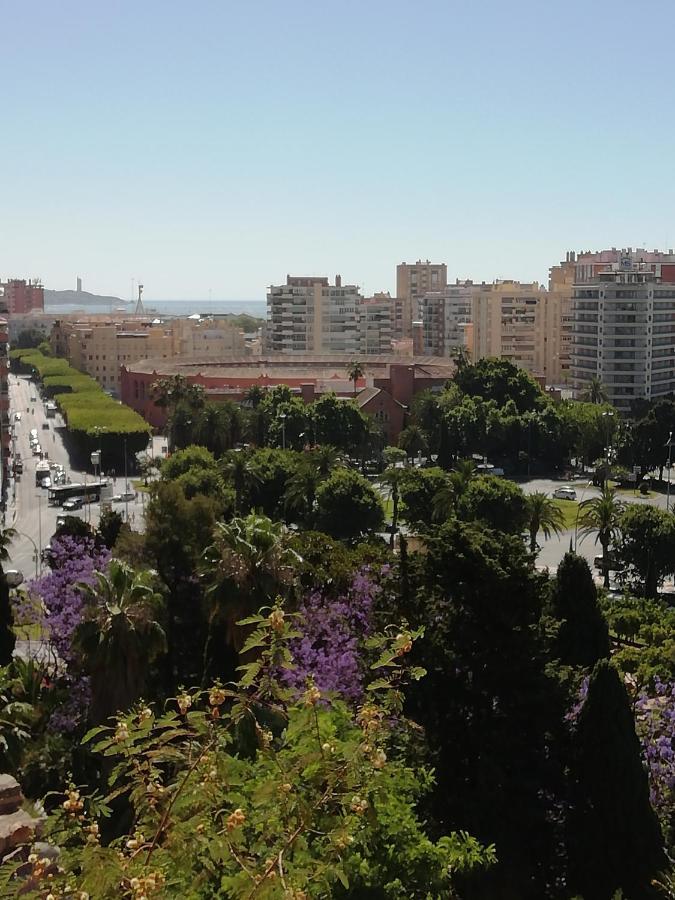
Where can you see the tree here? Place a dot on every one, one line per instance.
(602, 515)
(7, 636)
(110, 525)
(420, 489)
(582, 637)
(249, 564)
(595, 391)
(254, 396)
(647, 546)
(338, 422)
(300, 494)
(500, 380)
(498, 503)
(355, 371)
(544, 516)
(491, 714)
(120, 636)
(348, 506)
(181, 400)
(239, 468)
(614, 836)
(413, 440)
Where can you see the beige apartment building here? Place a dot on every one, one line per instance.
(524, 323)
(310, 315)
(413, 280)
(99, 346)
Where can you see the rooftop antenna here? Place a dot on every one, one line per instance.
(140, 309)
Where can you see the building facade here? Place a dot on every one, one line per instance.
(445, 316)
(22, 296)
(99, 345)
(624, 329)
(308, 377)
(413, 280)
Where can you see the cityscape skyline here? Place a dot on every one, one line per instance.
(212, 150)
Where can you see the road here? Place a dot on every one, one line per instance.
(27, 509)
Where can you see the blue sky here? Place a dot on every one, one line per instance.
(215, 146)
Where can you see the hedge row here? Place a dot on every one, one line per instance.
(84, 404)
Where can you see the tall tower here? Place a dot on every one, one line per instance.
(140, 309)
(79, 285)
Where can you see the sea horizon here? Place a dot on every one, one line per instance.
(255, 308)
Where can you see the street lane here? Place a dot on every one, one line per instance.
(27, 507)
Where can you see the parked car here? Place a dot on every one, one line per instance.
(17, 417)
(37, 450)
(33, 398)
(18, 466)
(45, 426)
(46, 482)
(565, 493)
(124, 497)
(74, 503)
(13, 577)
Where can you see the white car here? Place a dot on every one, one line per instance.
(124, 497)
(17, 417)
(565, 493)
(74, 503)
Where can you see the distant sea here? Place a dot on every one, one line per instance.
(256, 308)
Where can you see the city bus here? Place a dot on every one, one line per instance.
(90, 492)
(42, 471)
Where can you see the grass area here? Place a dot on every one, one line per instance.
(140, 485)
(629, 491)
(569, 509)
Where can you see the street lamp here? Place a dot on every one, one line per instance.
(37, 556)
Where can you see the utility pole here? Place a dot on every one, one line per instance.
(126, 485)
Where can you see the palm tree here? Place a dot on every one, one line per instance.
(7, 636)
(239, 468)
(462, 475)
(543, 515)
(355, 371)
(119, 637)
(253, 397)
(595, 391)
(324, 458)
(300, 494)
(443, 501)
(249, 564)
(413, 440)
(601, 514)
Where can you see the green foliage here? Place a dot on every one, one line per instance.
(500, 380)
(338, 422)
(615, 839)
(348, 506)
(650, 625)
(418, 489)
(316, 806)
(582, 637)
(92, 413)
(647, 547)
(498, 503)
(543, 515)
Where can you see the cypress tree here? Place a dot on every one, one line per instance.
(615, 841)
(583, 637)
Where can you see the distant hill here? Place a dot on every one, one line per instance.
(80, 298)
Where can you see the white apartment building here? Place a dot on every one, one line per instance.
(445, 317)
(624, 329)
(309, 315)
(376, 324)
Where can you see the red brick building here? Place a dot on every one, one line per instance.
(384, 392)
(22, 296)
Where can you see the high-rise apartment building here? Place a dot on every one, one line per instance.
(309, 315)
(506, 323)
(413, 280)
(22, 296)
(445, 315)
(624, 325)
(376, 324)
